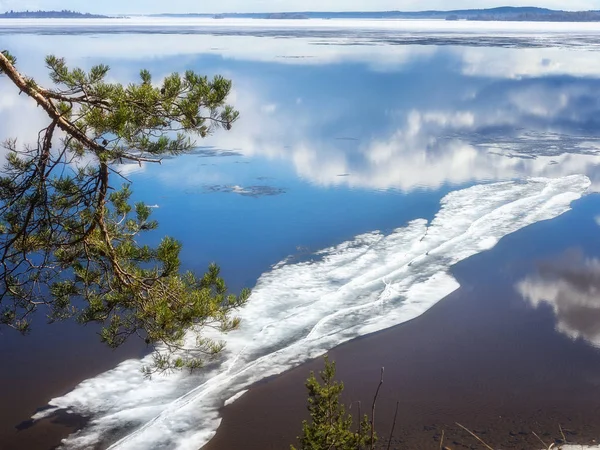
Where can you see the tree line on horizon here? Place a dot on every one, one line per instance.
(39, 14)
(554, 16)
(504, 13)
(512, 14)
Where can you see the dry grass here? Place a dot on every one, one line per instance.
(552, 446)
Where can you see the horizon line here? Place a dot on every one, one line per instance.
(315, 11)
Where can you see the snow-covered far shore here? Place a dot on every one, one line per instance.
(374, 24)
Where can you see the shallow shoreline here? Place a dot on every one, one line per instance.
(481, 357)
(40, 376)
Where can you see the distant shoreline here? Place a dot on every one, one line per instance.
(500, 14)
(64, 14)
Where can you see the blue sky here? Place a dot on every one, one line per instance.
(153, 6)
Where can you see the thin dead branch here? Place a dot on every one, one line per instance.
(393, 426)
(564, 438)
(373, 409)
(475, 436)
(546, 446)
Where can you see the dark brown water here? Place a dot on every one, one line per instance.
(45, 365)
(482, 357)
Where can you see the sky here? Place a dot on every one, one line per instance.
(199, 6)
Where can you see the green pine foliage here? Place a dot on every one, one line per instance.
(330, 427)
(69, 233)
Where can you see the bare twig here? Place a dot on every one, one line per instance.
(442, 440)
(540, 439)
(359, 425)
(393, 426)
(475, 436)
(373, 409)
(562, 434)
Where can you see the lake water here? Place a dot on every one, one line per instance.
(369, 159)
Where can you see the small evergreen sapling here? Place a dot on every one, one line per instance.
(330, 427)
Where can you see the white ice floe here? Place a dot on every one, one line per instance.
(236, 397)
(578, 447)
(300, 310)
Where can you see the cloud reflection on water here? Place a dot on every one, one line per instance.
(477, 115)
(495, 62)
(372, 117)
(571, 287)
(515, 133)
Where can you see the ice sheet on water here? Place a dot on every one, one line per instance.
(580, 447)
(402, 32)
(300, 310)
(235, 397)
(417, 25)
